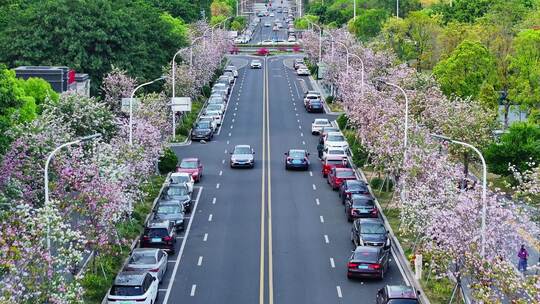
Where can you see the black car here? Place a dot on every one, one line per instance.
(315, 106)
(350, 187)
(172, 211)
(296, 159)
(370, 232)
(179, 193)
(159, 234)
(358, 206)
(368, 262)
(397, 294)
(202, 130)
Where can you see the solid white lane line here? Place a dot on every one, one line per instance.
(217, 186)
(199, 262)
(314, 187)
(332, 263)
(214, 201)
(179, 257)
(339, 292)
(317, 201)
(162, 289)
(326, 240)
(210, 218)
(220, 172)
(321, 218)
(193, 288)
(401, 270)
(205, 237)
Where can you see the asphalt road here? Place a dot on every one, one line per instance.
(266, 33)
(265, 235)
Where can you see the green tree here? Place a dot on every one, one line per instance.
(464, 10)
(521, 145)
(524, 68)
(90, 36)
(368, 23)
(469, 67)
(184, 9)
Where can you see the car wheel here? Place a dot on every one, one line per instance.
(325, 175)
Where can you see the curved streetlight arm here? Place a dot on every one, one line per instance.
(320, 37)
(131, 107)
(484, 183)
(46, 173)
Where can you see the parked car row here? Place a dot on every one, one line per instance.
(212, 115)
(300, 67)
(146, 266)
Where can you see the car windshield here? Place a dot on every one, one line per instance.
(330, 129)
(321, 122)
(180, 179)
(363, 202)
(312, 96)
(188, 164)
(334, 162)
(214, 107)
(373, 228)
(203, 125)
(335, 138)
(242, 150)
(156, 232)
(215, 99)
(357, 187)
(213, 113)
(177, 191)
(297, 154)
(345, 173)
(403, 301)
(120, 290)
(336, 152)
(366, 256)
(140, 258)
(168, 209)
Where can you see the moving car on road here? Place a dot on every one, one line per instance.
(296, 159)
(202, 130)
(159, 234)
(350, 187)
(148, 259)
(242, 156)
(318, 124)
(333, 162)
(338, 175)
(397, 294)
(133, 287)
(358, 206)
(310, 97)
(370, 232)
(267, 24)
(192, 166)
(368, 262)
(256, 64)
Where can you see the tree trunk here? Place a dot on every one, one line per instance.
(465, 169)
(506, 112)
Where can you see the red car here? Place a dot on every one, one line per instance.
(338, 175)
(333, 162)
(192, 166)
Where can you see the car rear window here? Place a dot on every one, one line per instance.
(179, 179)
(188, 164)
(168, 209)
(336, 138)
(346, 173)
(142, 258)
(334, 162)
(156, 232)
(403, 301)
(362, 202)
(321, 122)
(366, 256)
(203, 125)
(121, 290)
(373, 228)
(312, 97)
(177, 191)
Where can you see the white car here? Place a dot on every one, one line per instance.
(310, 97)
(256, 64)
(335, 140)
(302, 71)
(232, 69)
(267, 24)
(182, 178)
(210, 119)
(133, 287)
(272, 15)
(266, 42)
(216, 107)
(153, 260)
(291, 39)
(216, 114)
(340, 152)
(239, 40)
(318, 124)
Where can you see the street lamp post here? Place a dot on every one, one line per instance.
(484, 184)
(405, 135)
(397, 8)
(46, 175)
(354, 10)
(320, 37)
(131, 107)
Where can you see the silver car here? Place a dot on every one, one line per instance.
(242, 156)
(153, 260)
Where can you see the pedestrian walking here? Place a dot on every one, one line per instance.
(523, 255)
(320, 148)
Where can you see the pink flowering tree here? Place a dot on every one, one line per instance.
(115, 86)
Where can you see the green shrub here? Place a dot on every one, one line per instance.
(329, 99)
(167, 162)
(376, 183)
(342, 121)
(206, 91)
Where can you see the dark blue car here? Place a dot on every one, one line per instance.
(296, 159)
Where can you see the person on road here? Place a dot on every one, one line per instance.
(320, 148)
(523, 255)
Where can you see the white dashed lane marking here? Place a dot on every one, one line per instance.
(210, 218)
(332, 263)
(314, 187)
(339, 292)
(199, 262)
(326, 240)
(193, 288)
(214, 201)
(321, 218)
(205, 238)
(317, 201)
